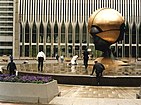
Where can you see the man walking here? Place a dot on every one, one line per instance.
(98, 68)
(11, 67)
(85, 58)
(40, 57)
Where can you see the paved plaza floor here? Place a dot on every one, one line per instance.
(96, 95)
(92, 95)
(81, 94)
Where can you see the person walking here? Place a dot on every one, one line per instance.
(11, 67)
(62, 58)
(98, 68)
(85, 58)
(41, 58)
(57, 57)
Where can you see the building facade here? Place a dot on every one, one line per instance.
(61, 26)
(6, 27)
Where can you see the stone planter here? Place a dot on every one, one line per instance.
(28, 92)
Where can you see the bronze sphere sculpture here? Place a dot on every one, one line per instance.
(107, 27)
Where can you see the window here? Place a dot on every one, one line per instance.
(34, 33)
(63, 33)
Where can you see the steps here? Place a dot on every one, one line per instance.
(93, 101)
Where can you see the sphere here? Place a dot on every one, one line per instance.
(107, 24)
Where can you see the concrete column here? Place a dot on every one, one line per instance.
(59, 38)
(66, 39)
(52, 38)
(16, 33)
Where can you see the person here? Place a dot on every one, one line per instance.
(11, 57)
(11, 67)
(62, 58)
(85, 58)
(98, 68)
(57, 57)
(40, 57)
(74, 60)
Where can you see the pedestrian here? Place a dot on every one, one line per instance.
(11, 57)
(41, 58)
(11, 67)
(85, 58)
(57, 57)
(98, 68)
(62, 58)
(74, 60)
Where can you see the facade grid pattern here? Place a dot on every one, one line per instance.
(60, 26)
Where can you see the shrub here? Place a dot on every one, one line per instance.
(25, 78)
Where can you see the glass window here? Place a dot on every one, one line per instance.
(140, 34)
(48, 51)
(27, 33)
(70, 51)
(134, 34)
(56, 33)
(139, 54)
(84, 36)
(77, 33)
(126, 51)
(63, 33)
(63, 50)
(5, 52)
(26, 50)
(21, 51)
(34, 53)
(48, 38)
(41, 35)
(5, 43)
(21, 32)
(34, 33)
(127, 33)
(133, 51)
(55, 50)
(41, 48)
(70, 33)
(119, 51)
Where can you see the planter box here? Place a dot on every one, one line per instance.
(28, 92)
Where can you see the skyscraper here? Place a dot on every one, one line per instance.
(6, 27)
(61, 26)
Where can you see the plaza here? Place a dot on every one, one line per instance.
(61, 27)
(93, 95)
(55, 30)
(82, 94)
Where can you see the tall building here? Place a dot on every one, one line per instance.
(6, 27)
(61, 26)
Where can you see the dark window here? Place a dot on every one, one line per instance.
(48, 38)
(77, 33)
(41, 36)
(63, 33)
(27, 33)
(70, 33)
(84, 36)
(34, 53)
(127, 33)
(56, 33)
(26, 50)
(140, 34)
(34, 33)
(134, 34)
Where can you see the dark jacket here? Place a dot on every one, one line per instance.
(11, 66)
(86, 54)
(98, 67)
